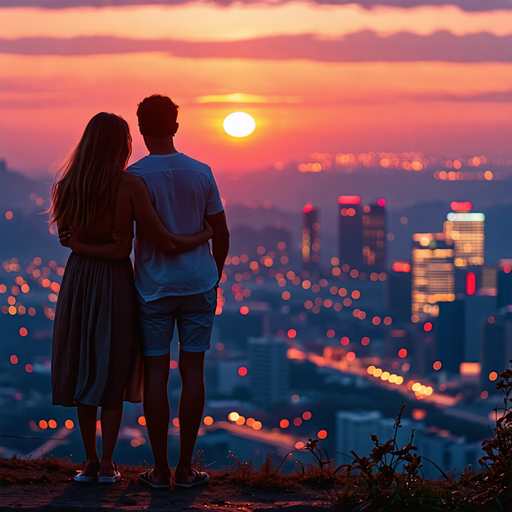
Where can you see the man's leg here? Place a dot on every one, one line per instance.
(156, 411)
(190, 410)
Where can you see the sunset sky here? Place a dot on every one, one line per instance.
(316, 77)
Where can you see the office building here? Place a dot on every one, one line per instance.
(478, 309)
(374, 236)
(399, 289)
(353, 432)
(310, 246)
(231, 374)
(447, 451)
(504, 283)
(350, 232)
(268, 371)
(450, 335)
(495, 348)
(355, 428)
(466, 230)
(432, 273)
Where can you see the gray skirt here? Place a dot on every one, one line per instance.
(95, 352)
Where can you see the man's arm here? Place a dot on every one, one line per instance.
(220, 240)
(112, 251)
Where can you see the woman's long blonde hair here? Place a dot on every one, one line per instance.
(81, 191)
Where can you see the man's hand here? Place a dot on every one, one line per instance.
(122, 238)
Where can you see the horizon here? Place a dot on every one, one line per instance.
(316, 78)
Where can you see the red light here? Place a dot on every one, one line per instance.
(349, 200)
(402, 353)
(291, 333)
(507, 269)
(242, 371)
(308, 208)
(470, 283)
(428, 327)
(461, 206)
(401, 266)
(244, 310)
(381, 202)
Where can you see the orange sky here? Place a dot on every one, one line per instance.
(301, 103)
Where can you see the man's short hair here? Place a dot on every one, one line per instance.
(157, 116)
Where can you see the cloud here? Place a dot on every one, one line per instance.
(467, 5)
(365, 46)
(247, 98)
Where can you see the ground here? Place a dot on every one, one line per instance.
(49, 486)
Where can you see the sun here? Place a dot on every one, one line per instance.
(239, 124)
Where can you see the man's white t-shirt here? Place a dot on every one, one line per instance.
(183, 191)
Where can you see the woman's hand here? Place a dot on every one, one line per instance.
(64, 238)
(208, 230)
(73, 241)
(122, 238)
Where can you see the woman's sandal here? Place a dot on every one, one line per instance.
(83, 479)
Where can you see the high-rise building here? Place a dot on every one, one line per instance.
(374, 236)
(495, 349)
(268, 371)
(355, 428)
(478, 308)
(446, 450)
(399, 288)
(466, 230)
(353, 432)
(310, 239)
(504, 283)
(350, 234)
(432, 273)
(450, 335)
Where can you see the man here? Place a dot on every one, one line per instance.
(179, 288)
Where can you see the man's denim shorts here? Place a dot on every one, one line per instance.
(193, 314)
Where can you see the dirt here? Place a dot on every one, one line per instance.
(30, 487)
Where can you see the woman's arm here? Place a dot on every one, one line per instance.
(147, 218)
(112, 251)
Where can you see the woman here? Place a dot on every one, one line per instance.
(95, 359)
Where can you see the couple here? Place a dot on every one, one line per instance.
(104, 315)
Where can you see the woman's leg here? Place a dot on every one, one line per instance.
(87, 415)
(110, 424)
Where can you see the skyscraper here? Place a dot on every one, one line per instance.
(399, 288)
(268, 371)
(432, 273)
(310, 239)
(350, 234)
(374, 236)
(466, 230)
(504, 283)
(450, 335)
(495, 349)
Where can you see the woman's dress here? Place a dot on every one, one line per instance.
(95, 354)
